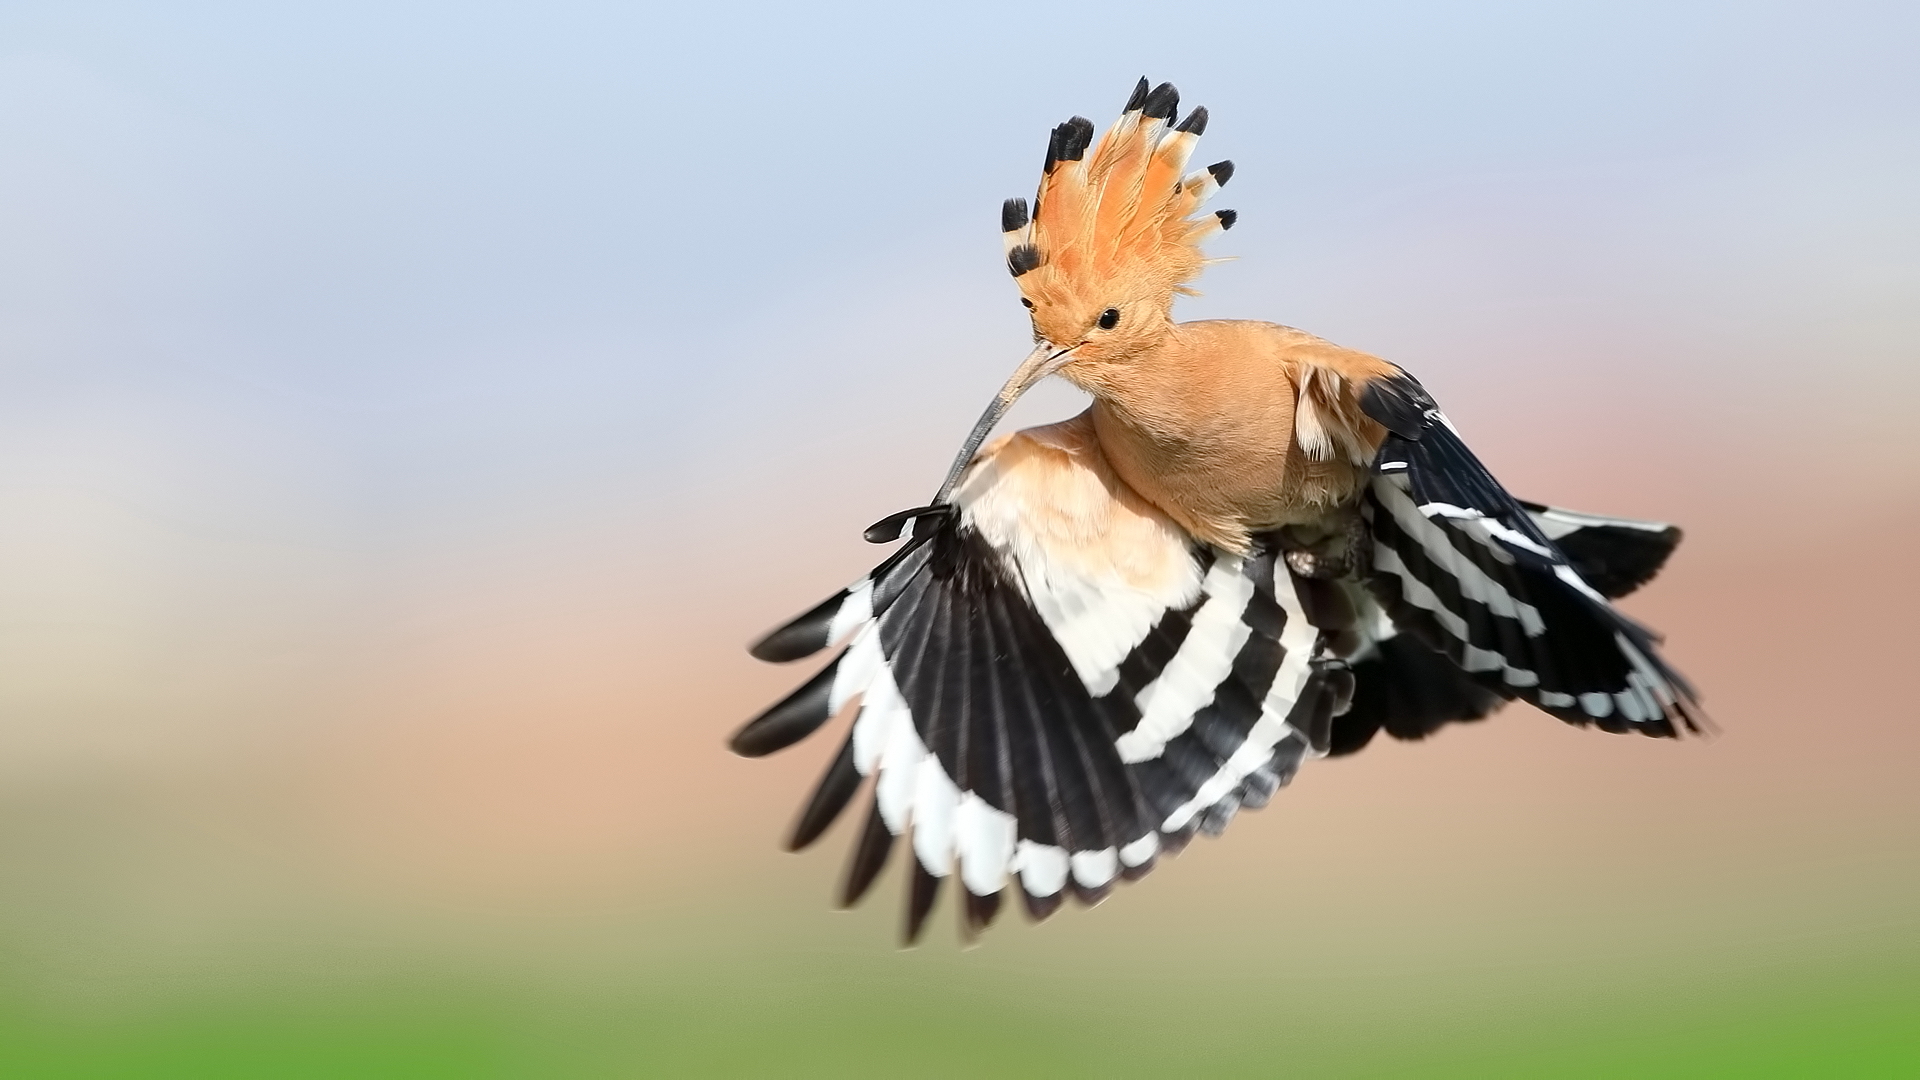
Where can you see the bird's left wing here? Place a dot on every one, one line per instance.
(1464, 565)
(1055, 684)
(1410, 691)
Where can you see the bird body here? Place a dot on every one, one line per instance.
(1209, 426)
(1253, 549)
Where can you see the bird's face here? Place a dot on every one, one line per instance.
(1103, 327)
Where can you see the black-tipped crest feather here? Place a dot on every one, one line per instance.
(1013, 215)
(1162, 103)
(1069, 141)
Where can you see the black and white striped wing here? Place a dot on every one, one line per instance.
(1409, 690)
(1034, 714)
(1460, 563)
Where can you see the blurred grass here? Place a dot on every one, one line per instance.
(160, 935)
(933, 1014)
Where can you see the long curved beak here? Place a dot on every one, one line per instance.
(1045, 359)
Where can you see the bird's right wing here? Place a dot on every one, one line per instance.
(1463, 565)
(1055, 684)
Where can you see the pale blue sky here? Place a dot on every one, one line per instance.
(296, 306)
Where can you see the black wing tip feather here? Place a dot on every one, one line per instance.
(800, 638)
(1090, 896)
(1617, 561)
(923, 889)
(1041, 908)
(977, 912)
(830, 797)
(795, 717)
(1614, 557)
(869, 858)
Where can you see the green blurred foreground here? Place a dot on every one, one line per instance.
(840, 1012)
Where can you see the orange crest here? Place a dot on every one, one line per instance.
(1114, 226)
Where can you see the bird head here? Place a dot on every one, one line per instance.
(1109, 240)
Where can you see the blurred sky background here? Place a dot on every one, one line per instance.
(408, 412)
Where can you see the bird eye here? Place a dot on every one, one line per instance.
(1028, 303)
(1109, 318)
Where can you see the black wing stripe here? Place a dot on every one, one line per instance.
(1040, 800)
(1410, 691)
(1036, 787)
(988, 844)
(902, 567)
(933, 697)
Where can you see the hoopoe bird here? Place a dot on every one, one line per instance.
(1254, 549)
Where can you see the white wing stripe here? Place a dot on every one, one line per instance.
(1298, 637)
(874, 726)
(1205, 658)
(1485, 529)
(1556, 523)
(985, 840)
(1138, 852)
(1092, 869)
(899, 769)
(854, 612)
(1472, 657)
(1473, 582)
(1042, 867)
(858, 668)
(936, 802)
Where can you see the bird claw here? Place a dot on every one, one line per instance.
(1340, 555)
